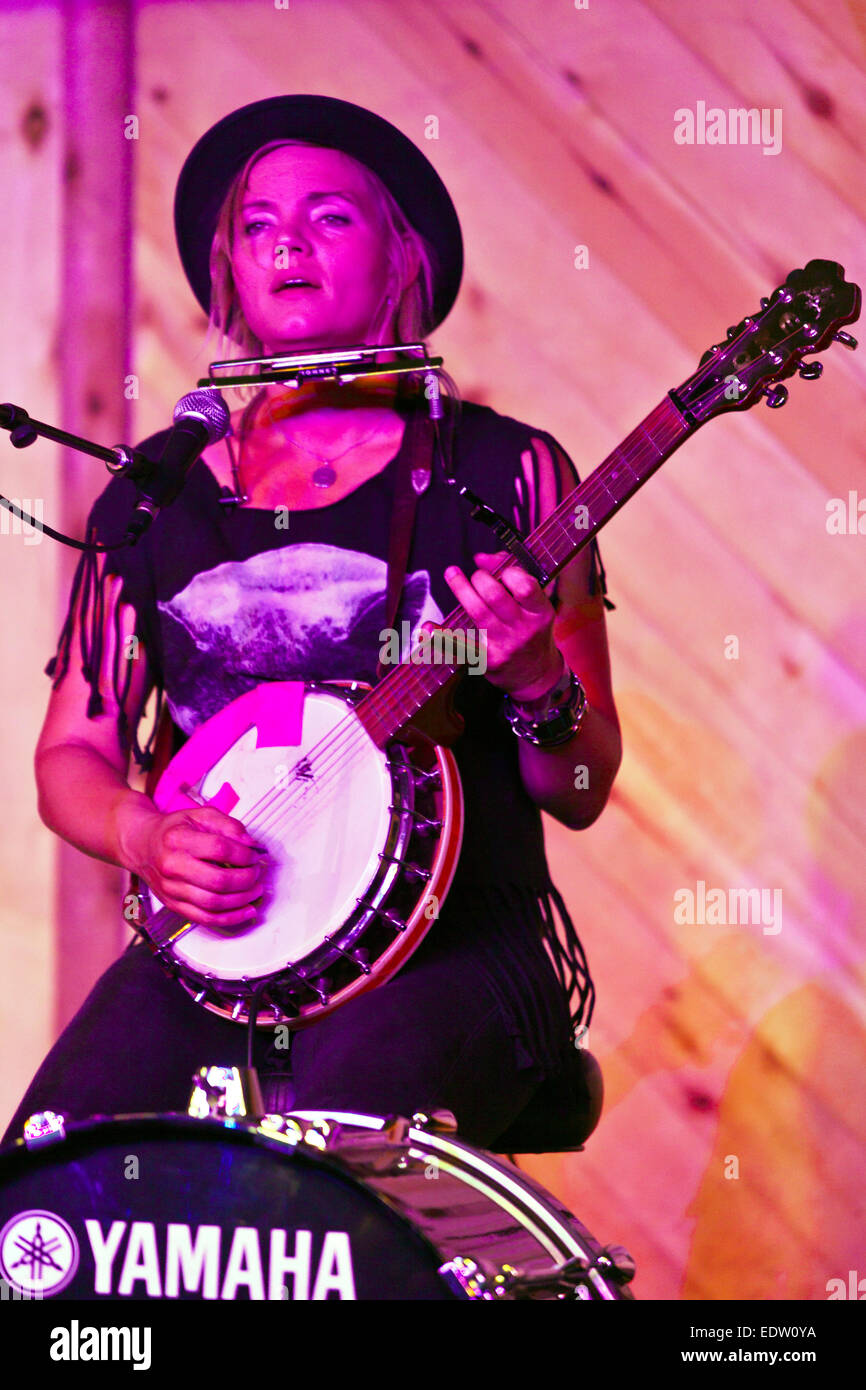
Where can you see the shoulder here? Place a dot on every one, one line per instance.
(482, 421)
(527, 460)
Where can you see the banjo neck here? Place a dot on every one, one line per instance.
(399, 697)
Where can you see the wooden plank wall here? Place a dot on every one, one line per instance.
(730, 1155)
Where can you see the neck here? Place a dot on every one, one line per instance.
(325, 402)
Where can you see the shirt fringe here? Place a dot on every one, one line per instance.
(505, 927)
(569, 959)
(88, 585)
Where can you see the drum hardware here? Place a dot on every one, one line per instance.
(308, 1204)
(222, 1092)
(437, 1122)
(318, 1132)
(45, 1127)
(615, 1262)
(469, 1280)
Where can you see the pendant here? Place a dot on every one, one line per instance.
(324, 476)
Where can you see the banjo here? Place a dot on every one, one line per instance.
(353, 789)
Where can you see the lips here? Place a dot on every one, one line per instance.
(290, 283)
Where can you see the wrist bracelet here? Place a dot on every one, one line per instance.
(533, 710)
(558, 723)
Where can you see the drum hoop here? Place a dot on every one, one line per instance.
(535, 1211)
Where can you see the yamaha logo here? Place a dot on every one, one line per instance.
(39, 1256)
(38, 1253)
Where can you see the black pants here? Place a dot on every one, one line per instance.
(435, 1036)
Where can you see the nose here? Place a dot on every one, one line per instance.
(288, 244)
(294, 236)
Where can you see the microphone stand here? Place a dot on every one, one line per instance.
(23, 431)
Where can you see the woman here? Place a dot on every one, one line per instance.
(308, 223)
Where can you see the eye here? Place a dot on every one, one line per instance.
(249, 226)
(335, 217)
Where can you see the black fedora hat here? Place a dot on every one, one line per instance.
(408, 175)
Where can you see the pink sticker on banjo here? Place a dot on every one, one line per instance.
(275, 709)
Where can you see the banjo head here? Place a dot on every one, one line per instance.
(362, 845)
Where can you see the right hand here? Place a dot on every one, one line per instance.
(200, 863)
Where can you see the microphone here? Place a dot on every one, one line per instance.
(200, 418)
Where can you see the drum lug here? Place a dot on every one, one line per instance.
(468, 1279)
(44, 1127)
(437, 1122)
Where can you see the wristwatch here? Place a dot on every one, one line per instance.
(553, 718)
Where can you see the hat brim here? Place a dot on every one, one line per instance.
(408, 175)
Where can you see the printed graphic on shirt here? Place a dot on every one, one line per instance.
(302, 612)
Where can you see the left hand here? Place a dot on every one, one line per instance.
(514, 618)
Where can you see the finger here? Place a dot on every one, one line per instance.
(523, 588)
(498, 596)
(486, 561)
(213, 886)
(200, 916)
(215, 847)
(209, 818)
(526, 590)
(468, 596)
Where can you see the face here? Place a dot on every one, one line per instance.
(307, 214)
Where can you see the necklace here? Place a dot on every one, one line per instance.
(324, 476)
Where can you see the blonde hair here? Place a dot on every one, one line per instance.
(414, 312)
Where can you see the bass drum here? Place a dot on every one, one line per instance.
(306, 1206)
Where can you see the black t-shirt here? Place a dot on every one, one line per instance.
(226, 598)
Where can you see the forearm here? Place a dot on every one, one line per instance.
(85, 800)
(572, 781)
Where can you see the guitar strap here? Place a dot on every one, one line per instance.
(413, 478)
